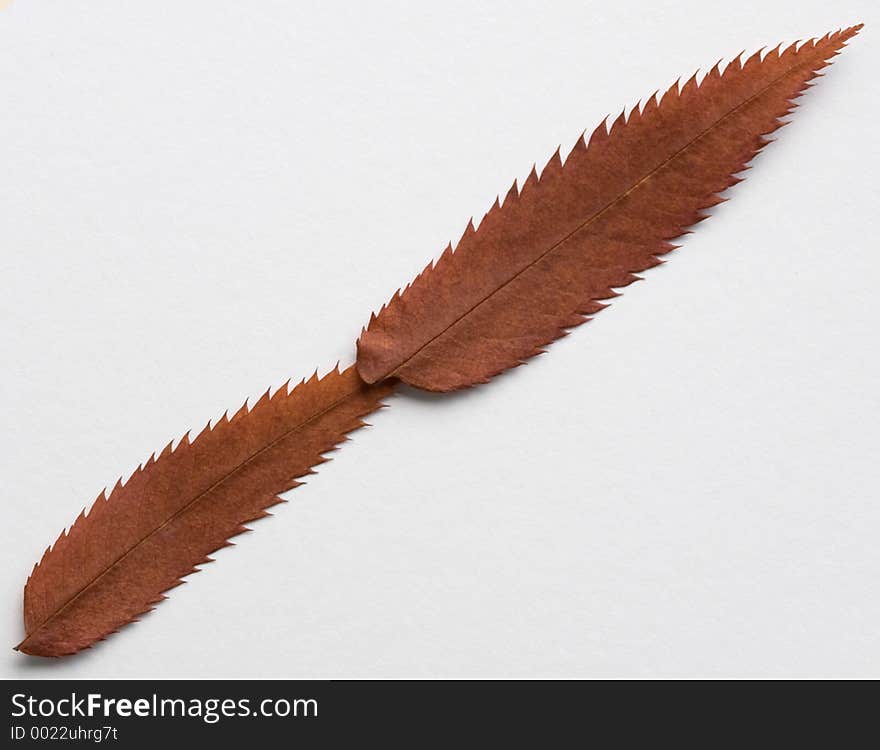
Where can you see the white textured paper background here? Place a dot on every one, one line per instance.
(199, 200)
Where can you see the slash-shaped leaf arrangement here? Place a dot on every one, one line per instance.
(540, 263)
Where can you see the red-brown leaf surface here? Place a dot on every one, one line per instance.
(542, 262)
(115, 563)
(538, 264)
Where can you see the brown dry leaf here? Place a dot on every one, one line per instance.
(114, 564)
(540, 263)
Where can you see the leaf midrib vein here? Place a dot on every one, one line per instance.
(94, 581)
(594, 217)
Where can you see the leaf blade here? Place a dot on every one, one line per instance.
(134, 545)
(545, 260)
